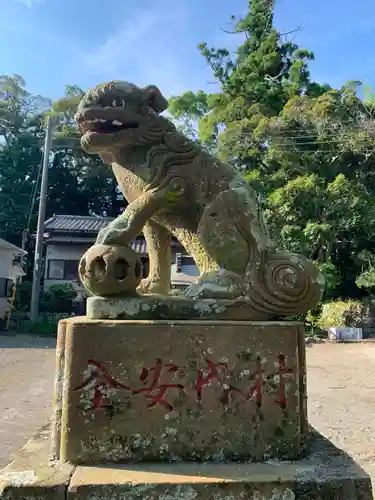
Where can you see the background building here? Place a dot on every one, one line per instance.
(10, 271)
(67, 237)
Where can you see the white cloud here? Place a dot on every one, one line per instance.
(143, 50)
(109, 55)
(29, 3)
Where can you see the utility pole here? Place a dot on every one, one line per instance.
(35, 292)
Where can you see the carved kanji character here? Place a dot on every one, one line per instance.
(100, 381)
(213, 372)
(156, 391)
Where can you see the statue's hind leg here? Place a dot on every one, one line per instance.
(271, 283)
(220, 252)
(158, 240)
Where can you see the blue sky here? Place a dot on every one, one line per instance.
(56, 42)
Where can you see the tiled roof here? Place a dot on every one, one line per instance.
(76, 223)
(70, 225)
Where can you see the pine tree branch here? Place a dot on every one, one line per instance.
(299, 28)
(236, 32)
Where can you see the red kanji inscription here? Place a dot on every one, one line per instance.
(99, 379)
(213, 372)
(284, 374)
(156, 392)
(260, 382)
(255, 389)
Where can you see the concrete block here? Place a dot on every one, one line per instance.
(326, 474)
(33, 475)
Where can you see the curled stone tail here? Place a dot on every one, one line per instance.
(284, 284)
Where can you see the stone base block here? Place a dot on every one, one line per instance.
(141, 391)
(161, 307)
(33, 475)
(327, 473)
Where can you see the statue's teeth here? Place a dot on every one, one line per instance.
(116, 122)
(101, 120)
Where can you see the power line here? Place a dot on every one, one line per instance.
(33, 195)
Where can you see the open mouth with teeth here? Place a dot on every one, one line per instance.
(101, 126)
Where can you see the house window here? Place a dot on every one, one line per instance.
(71, 269)
(59, 269)
(5, 287)
(56, 269)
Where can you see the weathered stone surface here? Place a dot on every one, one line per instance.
(32, 475)
(174, 187)
(58, 391)
(110, 270)
(159, 307)
(326, 474)
(184, 390)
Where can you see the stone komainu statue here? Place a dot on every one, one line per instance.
(175, 188)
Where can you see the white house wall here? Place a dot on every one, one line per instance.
(6, 261)
(4, 307)
(64, 252)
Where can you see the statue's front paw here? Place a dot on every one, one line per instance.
(149, 286)
(216, 285)
(109, 236)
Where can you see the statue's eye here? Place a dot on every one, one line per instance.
(118, 103)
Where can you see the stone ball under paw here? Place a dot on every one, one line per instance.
(110, 271)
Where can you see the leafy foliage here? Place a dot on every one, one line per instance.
(366, 280)
(307, 148)
(55, 300)
(46, 325)
(59, 299)
(78, 184)
(341, 314)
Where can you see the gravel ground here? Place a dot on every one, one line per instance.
(27, 366)
(341, 387)
(341, 390)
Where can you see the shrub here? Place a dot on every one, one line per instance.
(340, 313)
(57, 299)
(312, 318)
(45, 325)
(22, 298)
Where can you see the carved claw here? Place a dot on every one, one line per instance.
(216, 285)
(109, 236)
(149, 286)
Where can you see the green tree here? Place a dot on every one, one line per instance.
(320, 180)
(21, 130)
(306, 147)
(97, 186)
(266, 71)
(78, 184)
(20, 112)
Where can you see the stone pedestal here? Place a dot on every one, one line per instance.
(147, 410)
(141, 391)
(325, 474)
